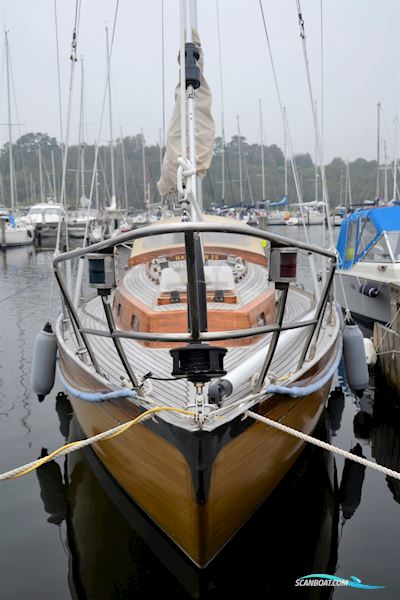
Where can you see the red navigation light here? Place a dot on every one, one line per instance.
(283, 265)
(288, 264)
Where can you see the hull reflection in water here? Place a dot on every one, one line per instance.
(115, 550)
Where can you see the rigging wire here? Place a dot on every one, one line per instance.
(163, 76)
(322, 71)
(286, 126)
(325, 196)
(18, 124)
(59, 80)
(63, 202)
(391, 143)
(103, 105)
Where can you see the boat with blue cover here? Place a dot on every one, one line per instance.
(369, 261)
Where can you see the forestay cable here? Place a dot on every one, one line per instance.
(316, 126)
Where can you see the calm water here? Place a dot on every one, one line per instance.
(62, 536)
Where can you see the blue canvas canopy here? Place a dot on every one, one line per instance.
(282, 202)
(361, 230)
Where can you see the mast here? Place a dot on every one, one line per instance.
(96, 189)
(262, 153)
(83, 171)
(10, 141)
(385, 193)
(82, 133)
(222, 111)
(316, 168)
(343, 188)
(144, 174)
(42, 199)
(113, 196)
(160, 137)
(240, 162)
(378, 150)
(124, 170)
(33, 189)
(285, 150)
(191, 22)
(348, 182)
(396, 133)
(53, 171)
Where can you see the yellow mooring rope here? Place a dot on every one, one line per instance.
(73, 446)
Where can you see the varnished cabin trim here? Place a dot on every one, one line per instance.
(125, 306)
(178, 252)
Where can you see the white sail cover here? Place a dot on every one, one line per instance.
(205, 132)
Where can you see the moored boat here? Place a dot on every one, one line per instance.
(45, 217)
(206, 322)
(369, 261)
(13, 232)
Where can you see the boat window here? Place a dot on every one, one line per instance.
(261, 320)
(135, 323)
(379, 252)
(351, 240)
(163, 240)
(118, 310)
(367, 234)
(393, 237)
(41, 211)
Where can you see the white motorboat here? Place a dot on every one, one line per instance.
(14, 233)
(369, 253)
(46, 217)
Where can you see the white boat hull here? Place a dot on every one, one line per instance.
(20, 236)
(365, 307)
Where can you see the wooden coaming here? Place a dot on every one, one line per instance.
(151, 320)
(217, 252)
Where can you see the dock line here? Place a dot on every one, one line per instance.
(311, 440)
(72, 446)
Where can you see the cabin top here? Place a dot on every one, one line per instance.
(370, 235)
(251, 248)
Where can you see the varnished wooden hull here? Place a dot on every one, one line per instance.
(199, 488)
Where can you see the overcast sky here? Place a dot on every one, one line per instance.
(361, 67)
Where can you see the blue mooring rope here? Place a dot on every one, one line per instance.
(299, 392)
(94, 396)
(292, 392)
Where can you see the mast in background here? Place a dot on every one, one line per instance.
(240, 161)
(145, 195)
(396, 135)
(285, 151)
(10, 140)
(113, 195)
(42, 198)
(378, 150)
(124, 170)
(222, 111)
(385, 190)
(262, 153)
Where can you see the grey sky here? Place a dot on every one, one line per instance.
(361, 62)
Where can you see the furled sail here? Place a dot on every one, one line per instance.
(204, 130)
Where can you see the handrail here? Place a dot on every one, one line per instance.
(206, 336)
(203, 227)
(196, 333)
